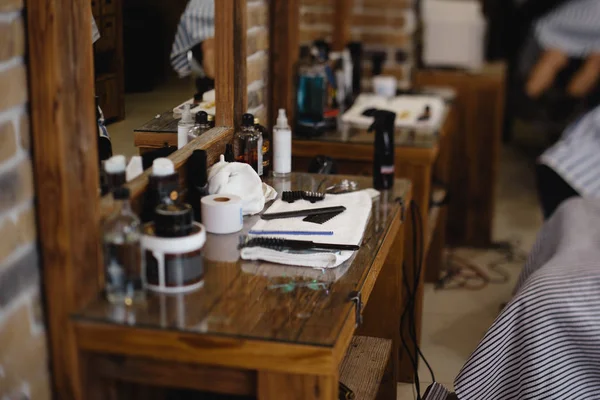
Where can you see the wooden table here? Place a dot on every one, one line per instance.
(422, 159)
(479, 109)
(156, 133)
(241, 335)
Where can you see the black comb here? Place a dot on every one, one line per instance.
(321, 218)
(288, 244)
(302, 213)
(292, 196)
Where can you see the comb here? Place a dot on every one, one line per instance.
(288, 244)
(292, 196)
(321, 218)
(302, 213)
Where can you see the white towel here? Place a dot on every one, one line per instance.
(348, 228)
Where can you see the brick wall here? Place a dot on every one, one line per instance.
(23, 353)
(381, 25)
(258, 58)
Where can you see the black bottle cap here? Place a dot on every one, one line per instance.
(202, 117)
(247, 120)
(197, 168)
(173, 220)
(121, 193)
(229, 157)
(383, 120)
(378, 58)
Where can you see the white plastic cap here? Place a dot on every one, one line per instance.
(282, 121)
(115, 164)
(186, 116)
(162, 167)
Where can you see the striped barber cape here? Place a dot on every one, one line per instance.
(546, 342)
(576, 156)
(197, 24)
(573, 27)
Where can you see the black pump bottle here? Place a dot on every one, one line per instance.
(383, 160)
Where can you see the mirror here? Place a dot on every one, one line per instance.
(152, 57)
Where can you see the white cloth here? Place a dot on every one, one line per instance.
(241, 180)
(348, 228)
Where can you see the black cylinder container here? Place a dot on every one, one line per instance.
(383, 159)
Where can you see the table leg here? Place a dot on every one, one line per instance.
(276, 386)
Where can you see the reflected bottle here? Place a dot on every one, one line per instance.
(247, 145)
(122, 253)
(202, 125)
(266, 147)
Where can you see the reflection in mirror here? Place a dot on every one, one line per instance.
(153, 60)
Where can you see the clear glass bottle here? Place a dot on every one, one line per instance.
(202, 125)
(266, 146)
(122, 254)
(247, 144)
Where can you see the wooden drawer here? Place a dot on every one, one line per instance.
(96, 8)
(108, 34)
(107, 89)
(109, 7)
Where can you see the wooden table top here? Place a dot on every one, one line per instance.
(164, 126)
(261, 301)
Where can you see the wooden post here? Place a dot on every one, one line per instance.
(66, 171)
(341, 24)
(284, 36)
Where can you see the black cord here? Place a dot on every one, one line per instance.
(409, 310)
(417, 279)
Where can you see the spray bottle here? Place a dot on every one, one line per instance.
(184, 126)
(282, 146)
(383, 159)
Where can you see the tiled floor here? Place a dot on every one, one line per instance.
(454, 321)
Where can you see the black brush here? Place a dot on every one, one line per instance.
(288, 244)
(292, 196)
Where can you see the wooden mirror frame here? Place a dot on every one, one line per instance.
(64, 133)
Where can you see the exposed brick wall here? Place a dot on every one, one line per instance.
(23, 352)
(381, 25)
(258, 58)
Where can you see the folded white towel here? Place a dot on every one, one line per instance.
(241, 180)
(348, 228)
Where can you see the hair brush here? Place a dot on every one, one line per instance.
(288, 244)
(292, 196)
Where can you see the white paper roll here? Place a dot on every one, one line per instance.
(222, 213)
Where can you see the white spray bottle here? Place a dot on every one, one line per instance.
(282, 146)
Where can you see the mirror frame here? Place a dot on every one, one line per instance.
(63, 130)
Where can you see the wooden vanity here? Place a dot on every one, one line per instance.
(260, 329)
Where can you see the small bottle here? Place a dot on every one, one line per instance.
(163, 187)
(115, 170)
(197, 177)
(229, 156)
(211, 120)
(266, 147)
(183, 127)
(247, 145)
(383, 158)
(122, 254)
(202, 125)
(282, 146)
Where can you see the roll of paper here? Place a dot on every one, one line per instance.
(222, 213)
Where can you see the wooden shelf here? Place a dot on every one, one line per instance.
(363, 367)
